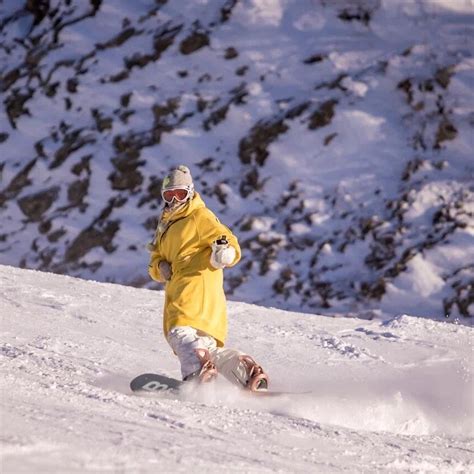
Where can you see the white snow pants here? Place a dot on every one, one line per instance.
(184, 340)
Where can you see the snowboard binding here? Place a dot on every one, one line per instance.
(256, 378)
(208, 370)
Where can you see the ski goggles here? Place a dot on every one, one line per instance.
(179, 194)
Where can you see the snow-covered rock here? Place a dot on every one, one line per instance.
(308, 125)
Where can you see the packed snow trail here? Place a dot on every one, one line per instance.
(392, 395)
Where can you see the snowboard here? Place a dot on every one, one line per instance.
(160, 383)
(155, 383)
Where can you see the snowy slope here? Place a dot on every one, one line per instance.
(335, 137)
(394, 396)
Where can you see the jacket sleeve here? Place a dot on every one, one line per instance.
(153, 270)
(210, 229)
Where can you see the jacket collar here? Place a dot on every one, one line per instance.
(195, 203)
(169, 217)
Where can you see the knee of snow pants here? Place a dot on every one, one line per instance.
(184, 340)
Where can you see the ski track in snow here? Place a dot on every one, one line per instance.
(369, 395)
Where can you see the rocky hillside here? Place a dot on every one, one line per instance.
(334, 137)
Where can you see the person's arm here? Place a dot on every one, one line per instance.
(159, 269)
(223, 243)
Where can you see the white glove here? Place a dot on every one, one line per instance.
(222, 254)
(165, 270)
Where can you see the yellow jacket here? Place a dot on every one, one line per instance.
(195, 295)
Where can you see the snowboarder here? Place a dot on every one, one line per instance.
(189, 251)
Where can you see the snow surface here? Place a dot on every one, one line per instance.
(369, 396)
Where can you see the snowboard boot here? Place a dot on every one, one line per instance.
(255, 378)
(208, 370)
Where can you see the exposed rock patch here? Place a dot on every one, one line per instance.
(323, 115)
(194, 41)
(35, 205)
(254, 147)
